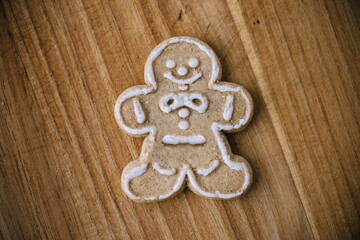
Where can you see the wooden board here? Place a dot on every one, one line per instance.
(63, 64)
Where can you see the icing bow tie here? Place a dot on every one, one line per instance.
(173, 101)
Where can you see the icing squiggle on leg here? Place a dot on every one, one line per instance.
(207, 171)
(163, 171)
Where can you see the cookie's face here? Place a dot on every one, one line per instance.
(182, 69)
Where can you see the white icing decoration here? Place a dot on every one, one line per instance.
(164, 171)
(193, 62)
(149, 71)
(183, 87)
(207, 171)
(184, 112)
(175, 140)
(190, 80)
(170, 63)
(183, 125)
(132, 92)
(136, 172)
(182, 71)
(183, 99)
(139, 112)
(229, 107)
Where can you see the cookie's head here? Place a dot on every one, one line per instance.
(181, 62)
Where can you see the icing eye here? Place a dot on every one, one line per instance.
(193, 62)
(170, 63)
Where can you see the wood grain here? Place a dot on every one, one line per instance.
(63, 64)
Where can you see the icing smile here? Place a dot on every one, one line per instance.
(190, 80)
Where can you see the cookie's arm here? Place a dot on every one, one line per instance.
(129, 112)
(238, 107)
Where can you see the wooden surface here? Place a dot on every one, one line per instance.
(63, 64)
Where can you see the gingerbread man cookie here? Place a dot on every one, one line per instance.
(183, 111)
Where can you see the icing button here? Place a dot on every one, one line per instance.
(183, 125)
(184, 112)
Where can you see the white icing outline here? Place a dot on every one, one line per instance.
(135, 172)
(183, 99)
(163, 171)
(190, 80)
(139, 112)
(207, 171)
(229, 108)
(175, 140)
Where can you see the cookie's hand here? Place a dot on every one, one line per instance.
(238, 107)
(130, 114)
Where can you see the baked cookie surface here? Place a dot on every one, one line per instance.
(183, 111)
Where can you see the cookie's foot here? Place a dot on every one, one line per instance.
(223, 182)
(150, 182)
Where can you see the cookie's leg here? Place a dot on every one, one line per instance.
(223, 182)
(150, 182)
